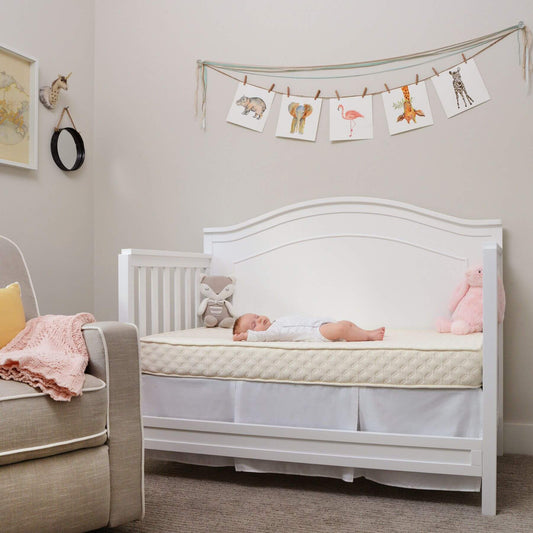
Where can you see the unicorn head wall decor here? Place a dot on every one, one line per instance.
(48, 95)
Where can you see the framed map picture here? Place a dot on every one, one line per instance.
(18, 109)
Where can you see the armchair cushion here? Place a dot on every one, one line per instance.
(32, 425)
(12, 319)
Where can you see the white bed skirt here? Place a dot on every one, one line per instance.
(441, 412)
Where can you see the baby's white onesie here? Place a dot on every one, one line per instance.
(291, 328)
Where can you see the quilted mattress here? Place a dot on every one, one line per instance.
(405, 358)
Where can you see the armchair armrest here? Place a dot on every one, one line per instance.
(114, 357)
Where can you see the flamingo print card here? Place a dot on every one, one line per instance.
(407, 108)
(350, 119)
(298, 118)
(460, 88)
(250, 107)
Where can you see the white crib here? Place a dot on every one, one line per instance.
(376, 262)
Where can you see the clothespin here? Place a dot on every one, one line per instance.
(245, 79)
(288, 92)
(364, 92)
(416, 83)
(464, 58)
(271, 87)
(337, 93)
(436, 73)
(317, 93)
(387, 87)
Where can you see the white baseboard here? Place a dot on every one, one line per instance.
(518, 438)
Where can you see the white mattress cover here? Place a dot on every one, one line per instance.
(405, 358)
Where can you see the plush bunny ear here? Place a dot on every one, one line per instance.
(202, 278)
(233, 279)
(458, 295)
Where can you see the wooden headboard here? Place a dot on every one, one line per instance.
(368, 260)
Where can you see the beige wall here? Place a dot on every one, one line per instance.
(49, 213)
(157, 179)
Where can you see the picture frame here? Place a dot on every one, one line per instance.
(19, 90)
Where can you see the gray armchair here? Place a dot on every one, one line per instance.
(72, 466)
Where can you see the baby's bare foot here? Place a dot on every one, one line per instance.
(376, 334)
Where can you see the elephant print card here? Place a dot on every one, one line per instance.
(298, 118)
(407, 108)
(460, 88)
(250, 107)
(350, 119)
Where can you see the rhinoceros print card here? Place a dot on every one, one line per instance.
(298, 118)
(407, 108)
(250, 107)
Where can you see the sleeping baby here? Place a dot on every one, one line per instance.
(255, 328)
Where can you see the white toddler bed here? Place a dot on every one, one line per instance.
(419, 409)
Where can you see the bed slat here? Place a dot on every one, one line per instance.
(165, 287)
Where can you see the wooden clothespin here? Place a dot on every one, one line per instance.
(416, 83)
(464, 58)
(387, 87)
(317, 93)
(288, 92)
(245, 80)
(271, 87)
(337, 93)
(436, 73)
(364, 92)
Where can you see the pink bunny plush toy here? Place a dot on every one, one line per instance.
(466, 305)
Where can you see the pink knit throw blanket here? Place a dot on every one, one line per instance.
(50, 354)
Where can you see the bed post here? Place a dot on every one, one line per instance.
(491, 357)
(126, 278)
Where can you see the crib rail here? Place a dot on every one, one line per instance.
(158, 290)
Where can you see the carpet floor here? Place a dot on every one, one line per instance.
(185, 498)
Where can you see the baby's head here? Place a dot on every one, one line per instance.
(251, 321)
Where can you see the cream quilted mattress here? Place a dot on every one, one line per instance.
(405, 358)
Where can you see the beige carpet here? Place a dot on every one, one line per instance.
(184, 498)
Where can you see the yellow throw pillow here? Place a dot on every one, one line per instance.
(12, 319)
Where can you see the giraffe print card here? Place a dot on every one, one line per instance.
(250, 107)
(298, 117)
(407, 108)
(350, 119)
(460, 88)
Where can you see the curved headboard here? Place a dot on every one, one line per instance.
(376, 262)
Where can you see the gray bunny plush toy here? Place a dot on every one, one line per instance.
(215, 309)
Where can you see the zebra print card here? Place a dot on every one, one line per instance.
(460, 88)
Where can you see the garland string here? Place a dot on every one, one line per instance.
(427, 56)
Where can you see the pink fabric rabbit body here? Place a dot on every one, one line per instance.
(466, 305)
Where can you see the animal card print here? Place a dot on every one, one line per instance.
(250, 107)
(460, 88)
(298, 118)
(407, 108)
(350, 118)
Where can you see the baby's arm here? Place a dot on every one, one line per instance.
(257, 336)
